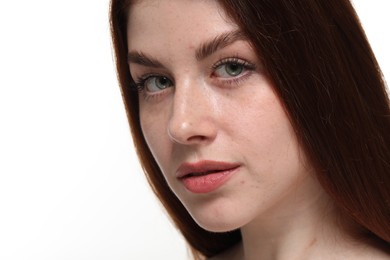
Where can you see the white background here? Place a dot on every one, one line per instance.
(70, 184)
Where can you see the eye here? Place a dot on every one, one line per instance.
(231, 68)
(154, 83)
(157, 83)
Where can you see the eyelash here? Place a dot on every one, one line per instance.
(247, 67)
(232, 60)
(139, 83)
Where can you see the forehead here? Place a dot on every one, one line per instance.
(153, 23)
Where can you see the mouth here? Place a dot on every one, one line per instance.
(205, 176)
(194, 174)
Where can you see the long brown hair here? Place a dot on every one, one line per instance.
(329, 81)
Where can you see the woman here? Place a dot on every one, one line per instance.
(262, 126)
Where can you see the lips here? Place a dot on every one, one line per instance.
(205, 176)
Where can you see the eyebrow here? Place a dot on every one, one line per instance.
(203, 51)
(142, 59)
(221, 41)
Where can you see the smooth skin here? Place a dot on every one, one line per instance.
(217, 103)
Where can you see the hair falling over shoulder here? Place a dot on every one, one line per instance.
(330, 83)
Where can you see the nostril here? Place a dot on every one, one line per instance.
(197, 138)
(190, 123)
(189, 133)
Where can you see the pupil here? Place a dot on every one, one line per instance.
(234, 69)
(162, 82)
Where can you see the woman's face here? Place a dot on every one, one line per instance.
(210, 116)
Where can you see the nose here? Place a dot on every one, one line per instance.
(192, 119)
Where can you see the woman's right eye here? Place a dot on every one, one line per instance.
(154, 83)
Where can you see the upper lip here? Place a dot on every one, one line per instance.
(205, 166)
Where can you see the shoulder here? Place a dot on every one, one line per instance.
(365, 250)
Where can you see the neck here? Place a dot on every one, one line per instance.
(295, 229)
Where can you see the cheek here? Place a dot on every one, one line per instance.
(263, 123)
(268, 136)
(154, 131)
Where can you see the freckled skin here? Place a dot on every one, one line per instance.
(200, 118)
(201, 112)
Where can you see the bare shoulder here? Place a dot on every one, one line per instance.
(378, 254)
(233, 253)
(377, 250)
(374, 255)
(368, 251)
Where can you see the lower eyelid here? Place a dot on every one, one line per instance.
(233, 80)
(154, 96)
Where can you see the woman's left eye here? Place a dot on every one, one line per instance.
(231, 68)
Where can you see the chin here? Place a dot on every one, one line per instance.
(217, 222)
(217, 227)
(217, 214)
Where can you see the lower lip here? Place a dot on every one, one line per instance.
(207, 183)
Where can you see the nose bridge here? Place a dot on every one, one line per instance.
(188, 96)
(191, 115)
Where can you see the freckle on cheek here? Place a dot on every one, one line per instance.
(242, 182)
